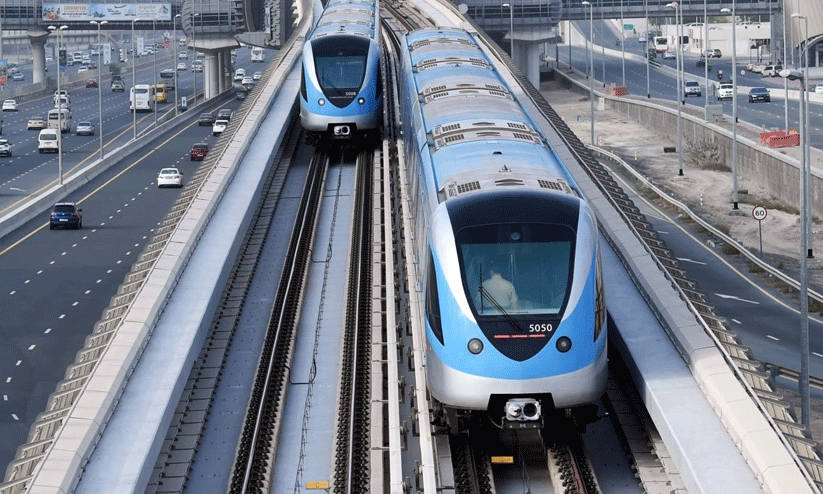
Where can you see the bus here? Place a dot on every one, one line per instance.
(58, 121)
(661, 44)
(257, 54)
(140, 98)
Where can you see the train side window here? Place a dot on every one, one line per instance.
(433, 302)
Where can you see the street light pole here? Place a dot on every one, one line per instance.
(174, 61)
(623, 43)
(602, 47)
(680, 94)
(153, 91)
(591, 63)
(785, 80)
(734, 103)
(795, 74)
(194, 45)
(706, 48)
(804, 142)
(133, 81)
(99, 85)
(59, 107)
(646, 44)
(511, 31)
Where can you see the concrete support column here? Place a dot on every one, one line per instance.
(210, 75)
(225, 70)
(38, 51)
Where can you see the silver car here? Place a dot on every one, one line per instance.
(85, 129)
(169, 177)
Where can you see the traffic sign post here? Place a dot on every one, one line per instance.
(759, 213)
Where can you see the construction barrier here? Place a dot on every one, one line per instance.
(617, 91)
(765, 136)
(784, 141)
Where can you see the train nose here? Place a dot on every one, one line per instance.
(342, 130)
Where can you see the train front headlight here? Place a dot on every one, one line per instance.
(523, 410)
(475, 346)
(361, 100)
(321, 102)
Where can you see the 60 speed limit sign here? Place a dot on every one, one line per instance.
(759, 213)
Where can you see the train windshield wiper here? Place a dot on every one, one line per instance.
(487, 296)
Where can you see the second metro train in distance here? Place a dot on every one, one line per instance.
(509, 260)
(341, 89)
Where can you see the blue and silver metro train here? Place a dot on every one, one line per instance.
(508, 248)
(341, 91)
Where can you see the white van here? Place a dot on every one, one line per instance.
(47, 141)
(58, 121)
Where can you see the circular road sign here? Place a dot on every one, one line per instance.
(759, 213)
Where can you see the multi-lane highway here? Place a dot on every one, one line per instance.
(663, 85)
(56, 283)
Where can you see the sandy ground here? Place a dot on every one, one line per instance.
(708, 192)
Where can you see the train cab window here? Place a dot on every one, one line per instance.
(433, 301)
(340, 68)
(535, 259)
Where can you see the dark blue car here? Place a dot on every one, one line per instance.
(65, 214)
(759, 94)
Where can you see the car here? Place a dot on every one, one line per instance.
(755, 67)
(238, 78)
(692, 88)
(725, 91)
(118, 86)
(197, 66)
(206, 118)
(771, 71)
(65, 214)
(241, 94)
(92, 65)
(84, 129)
(241, 72)
(17, 76)
(669, 55)
(5, 147)
(818, 88)
(117, 78)
(199, 151)
(247, 80)
(182, 66)
(92, 83)
(183, 54)
(82, 69)
(257, 75)
(169, 177)
(9, 105)
(36, 122)
(641, 39)
(715, 53)
(224, 114)
(759, 94)
(219, 126)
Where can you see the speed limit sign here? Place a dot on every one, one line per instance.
(759, 213)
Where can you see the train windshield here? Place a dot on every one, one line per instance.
(522, 269)
(340, 68)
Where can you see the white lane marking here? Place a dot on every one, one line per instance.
(32, 347)
(75, 304)
(12, 292)
(772, 337)
(15, 188)
(108, 272)
(47, 331)
(8, 379)
(88, 292)
(736, 321)
(18, 363)
(14, 416)
(817, 354)
(63, 254)
(51, 262)
(39, 272)
(62, 316)
(84, 238)
(75, 245)
(5, 397)
(111, 217)
(686, 259)
(26, 282)
(99, 281)
(721, 295)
